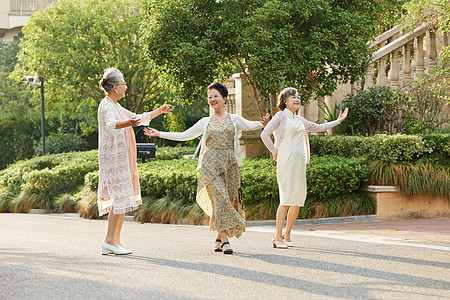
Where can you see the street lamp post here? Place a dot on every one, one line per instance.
(38, 82)
(41, 79)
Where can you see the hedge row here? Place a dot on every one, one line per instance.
(174, 184)
(48, 182)
(388, 148)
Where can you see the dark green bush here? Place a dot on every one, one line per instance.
(175, 182)
(61, 143)
(389, 148)
(39, 182)
(166, 153)
(437, 148)
(12, 177)
(18, 132)
(332, 176)
(380, 109)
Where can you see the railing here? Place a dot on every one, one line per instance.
(24, 6)
(404, 64)
(28, 6)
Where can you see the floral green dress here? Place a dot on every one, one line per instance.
(218, 191)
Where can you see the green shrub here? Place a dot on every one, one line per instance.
(380, 109)
(437, 148)
(332, 176)
(389, 148)
(339, 145)
(12, 177)
(169, 187)
(18, 132)
(167, 153)
(394, 148)
(38, 182)
(61, 143)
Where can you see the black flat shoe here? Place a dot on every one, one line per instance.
(226, 251)
(218, 249)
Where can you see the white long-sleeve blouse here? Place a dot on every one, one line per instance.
(277, 126)
(240, 124)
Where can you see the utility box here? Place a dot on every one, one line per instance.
(146, 150)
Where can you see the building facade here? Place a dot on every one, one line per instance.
(14, 15)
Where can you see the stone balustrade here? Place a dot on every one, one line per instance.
(410, 54)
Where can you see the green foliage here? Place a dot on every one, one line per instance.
(169, 187)
(412, 179)
(331, 176)
(353, 204)
(367, 110)
(73, 41)
(165, 153)
(8, 59)
(389, 148)
(62, 142)
(311, 44)
(328, 177)
(380, 109)
(419, 11)
(17, 132)
(437, 148)
(42, 181)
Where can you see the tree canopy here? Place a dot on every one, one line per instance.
(308, 44)
(71, 42)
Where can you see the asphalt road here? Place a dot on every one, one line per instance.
(58, 257)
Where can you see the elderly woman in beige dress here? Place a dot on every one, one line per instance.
(118, 187)
(218, 189)
(291, 151)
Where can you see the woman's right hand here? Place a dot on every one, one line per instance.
(151, 132)
(133, 122)
(274, 157)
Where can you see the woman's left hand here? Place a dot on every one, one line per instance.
(165, 109)
(342, 116)
(265, 120)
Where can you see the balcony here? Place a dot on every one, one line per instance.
(27, 7)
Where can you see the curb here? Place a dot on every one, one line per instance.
(351, 219)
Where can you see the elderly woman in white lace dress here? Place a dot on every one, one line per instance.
(118, 187)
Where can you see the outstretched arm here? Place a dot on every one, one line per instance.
(246, 125)
(189, 134)
(314, 127)
(148, 116)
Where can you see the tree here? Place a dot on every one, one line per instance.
(309, 44)
(71, 42)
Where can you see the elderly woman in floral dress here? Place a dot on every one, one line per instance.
(219, 180)
(118, 187)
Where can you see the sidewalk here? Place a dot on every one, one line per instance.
(426, 231)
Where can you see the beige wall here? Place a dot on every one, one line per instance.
(12, 18)
(392, 204)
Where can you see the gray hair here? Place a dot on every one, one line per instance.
(283, 95)
(111, 77)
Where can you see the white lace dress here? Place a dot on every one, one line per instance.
(118, 185)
